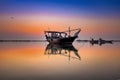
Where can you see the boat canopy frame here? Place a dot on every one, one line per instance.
(57, 34)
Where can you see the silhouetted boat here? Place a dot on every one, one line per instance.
(92, 41)
(61, 37)
(100, 41)
(55, 49)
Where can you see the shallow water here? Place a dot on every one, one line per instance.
(38, 60)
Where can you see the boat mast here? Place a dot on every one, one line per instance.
(69, 32)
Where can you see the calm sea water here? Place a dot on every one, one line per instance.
(38, 60)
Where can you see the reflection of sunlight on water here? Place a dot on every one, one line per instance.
(78, 45)
(29, 60)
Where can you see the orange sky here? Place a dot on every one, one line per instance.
(36, 25)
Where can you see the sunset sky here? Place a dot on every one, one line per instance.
(25, 19)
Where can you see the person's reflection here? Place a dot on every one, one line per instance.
(65, 50)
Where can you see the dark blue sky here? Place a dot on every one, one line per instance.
(70, 7)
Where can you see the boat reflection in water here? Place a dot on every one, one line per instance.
(65, 50)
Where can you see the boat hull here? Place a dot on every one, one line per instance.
(67, 40)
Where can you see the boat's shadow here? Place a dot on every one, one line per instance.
(65, 50)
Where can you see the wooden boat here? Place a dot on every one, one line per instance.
(63, 37)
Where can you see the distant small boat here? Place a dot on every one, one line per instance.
(100, 41)
(92, 41)
(61, 37)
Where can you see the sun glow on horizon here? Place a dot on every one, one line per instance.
(36, 25)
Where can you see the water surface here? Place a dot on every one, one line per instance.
(38, 60)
